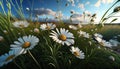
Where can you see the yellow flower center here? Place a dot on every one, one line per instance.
(76, 53)
(21, 25)
(62, 37)
(48, 27)
(10, 57)
(26, 45)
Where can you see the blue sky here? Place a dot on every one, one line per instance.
(51, 8)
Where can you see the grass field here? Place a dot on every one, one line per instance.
(27, 44)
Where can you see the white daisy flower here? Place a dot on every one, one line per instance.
(84, 34)
(8, 57)
(47, 26)
(5, 31)
(26, 42)
(98, 39)
(62, 36)
(77, 52)
(21, 24)
(106, 44)
(112, 58)
(98, 35)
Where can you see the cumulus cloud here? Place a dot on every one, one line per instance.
(43, 11)
(81, 6)
(99, 2)
(88, 12)
(59, 14)
(79, 18)
(107, 1)
(87, 3)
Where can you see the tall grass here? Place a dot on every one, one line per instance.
(48, 54)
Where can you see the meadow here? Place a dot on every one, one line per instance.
(27, 44)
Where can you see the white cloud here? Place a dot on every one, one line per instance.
(99, 2)
(79, 18)
(87, 3)
(59, 14)
(43, 11)
(107, 1)
(77, 0)
(88, 12)
(81, 6)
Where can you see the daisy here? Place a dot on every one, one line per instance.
(26, 43)
(106, 44)
(10, 56)
(5, 31)
(21, 24)
(62, 36)
(98, 35)
(98, 39)
(77, 52)
(112, 58)
(84, 34)
(1, 38)
(47, 26)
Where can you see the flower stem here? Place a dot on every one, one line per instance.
(34, 59)
(17, 65)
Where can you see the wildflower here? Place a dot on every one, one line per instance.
(79, 25)
(90, 43)
(36, 30)
(6, 32)
(62, 36)
(84, 34)
(21, 24)
(77, 52)
(98, 35)
(106, 44)
(1, 38)
(9, 57)
(112, 58)
(73, 27)
(26, 42)
(98, 39)
(47, 26)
